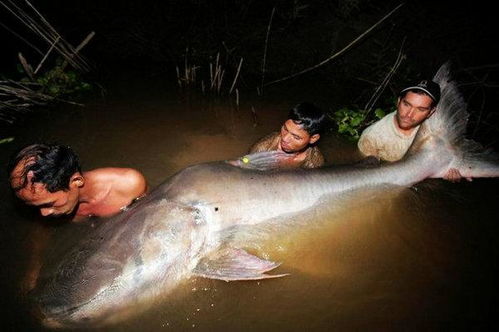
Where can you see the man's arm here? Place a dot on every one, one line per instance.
(367, 146)
(369, 151)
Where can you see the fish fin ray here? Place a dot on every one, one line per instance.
(236, 264)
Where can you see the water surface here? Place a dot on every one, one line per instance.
(402, 259)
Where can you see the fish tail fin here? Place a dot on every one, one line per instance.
(448, 126)
(475, 161)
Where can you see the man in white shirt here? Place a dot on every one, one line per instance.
(389, 138)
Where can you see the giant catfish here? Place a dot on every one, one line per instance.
(184, 227)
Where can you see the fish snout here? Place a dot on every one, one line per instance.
(52, 323)
(39, 315)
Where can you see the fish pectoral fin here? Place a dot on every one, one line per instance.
(236, 264)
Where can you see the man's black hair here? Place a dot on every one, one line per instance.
(52, 165)
(309, 117)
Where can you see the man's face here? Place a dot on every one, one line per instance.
(294, 138)
(413, 109)
(61, 202)
(55, 204)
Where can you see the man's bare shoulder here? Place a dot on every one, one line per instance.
(112, 173)
(314, 158)
(126, 181)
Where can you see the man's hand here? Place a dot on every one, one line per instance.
(453, 175)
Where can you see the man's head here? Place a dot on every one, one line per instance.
(416, 103)
(302, 128)
(47, 177)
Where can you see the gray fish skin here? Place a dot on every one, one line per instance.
(179, 229)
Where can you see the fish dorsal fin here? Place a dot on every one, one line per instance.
(235, 264)
(264, 161)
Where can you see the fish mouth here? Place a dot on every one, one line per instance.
(48, 322)
(60, 319)
(53, 320)
(52, 323)
(56, 315)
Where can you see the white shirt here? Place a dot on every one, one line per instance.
(383, 140)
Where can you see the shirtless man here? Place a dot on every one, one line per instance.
(298, 137)
(49, 178)
(389, 138)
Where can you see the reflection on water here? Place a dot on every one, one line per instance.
(408, 258)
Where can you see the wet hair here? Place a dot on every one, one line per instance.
(53, 165)
(309, 117)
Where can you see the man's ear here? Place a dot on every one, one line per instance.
(77, 180)
(29, 176)
(314, 138)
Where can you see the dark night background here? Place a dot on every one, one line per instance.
(138, 45)
(143, 41)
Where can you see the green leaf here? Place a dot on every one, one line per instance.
(71, 75)
(341, 127)
(6, 140)
(86, 86)
(355, 122)
(379, 113)
(54, 90)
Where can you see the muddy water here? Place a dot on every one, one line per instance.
(401, 259)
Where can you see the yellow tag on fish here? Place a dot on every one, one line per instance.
(245, 160)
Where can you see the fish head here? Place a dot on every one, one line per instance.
(118, 271)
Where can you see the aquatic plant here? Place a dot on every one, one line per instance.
(57, 82)
(209, 77)
(38, 85)
(351, 121)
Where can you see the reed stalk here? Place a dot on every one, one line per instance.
(27, 67)
(42, 28)
(219, 83)
(46, 56)
(237, 98)
(337, 54)
(237, 75)
(379, 90)
(264, 61)
(255, 118)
